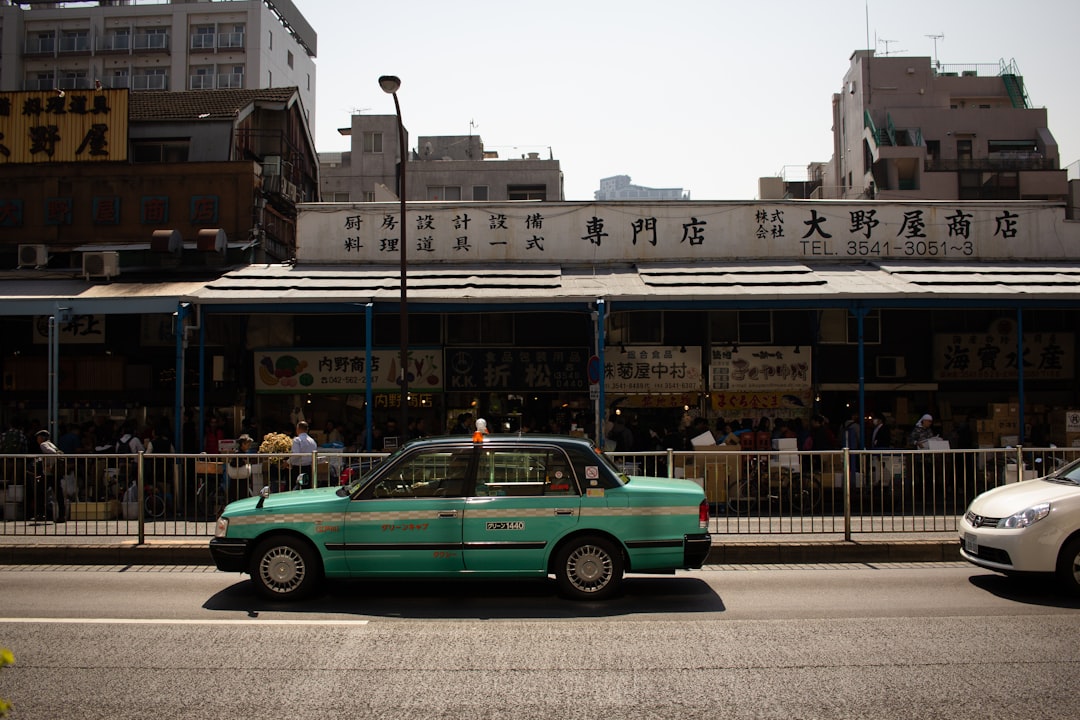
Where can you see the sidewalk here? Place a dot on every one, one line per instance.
(727, 549)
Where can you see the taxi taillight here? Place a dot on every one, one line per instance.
(703, 514)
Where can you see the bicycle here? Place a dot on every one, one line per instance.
(761, 484)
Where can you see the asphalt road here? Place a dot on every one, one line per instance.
(942, 640)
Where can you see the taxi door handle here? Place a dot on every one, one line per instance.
(448, 513)
(564, 511)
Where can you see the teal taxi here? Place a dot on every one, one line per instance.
(500, 506)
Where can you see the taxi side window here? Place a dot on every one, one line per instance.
(433, 473)
(524, 473)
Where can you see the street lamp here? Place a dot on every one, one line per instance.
(390, 84)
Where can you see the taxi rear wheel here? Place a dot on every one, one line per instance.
(285, 568)
(1068, 568)
(588, 568)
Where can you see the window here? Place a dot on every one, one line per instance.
(480, 192)
(372, 142)
(369, 196)
(41, 81)
(477, 329)
(443, 192)
(841, 327)
(340, 197)
(289, 58)
(151, 39)
(526, 192)
(150, 79)
(159, 151)
(428, 473)
(72, 79)
(270, 41)
(234, 39)
(639, 327)
(203, 37)
(233, 79)
(202, 77)
(525, 472)
(118, 39)
(75, 41)
(741, 326)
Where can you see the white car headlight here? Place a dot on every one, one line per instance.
(1026, 517)
(222, 528)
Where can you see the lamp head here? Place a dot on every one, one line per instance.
(389, 83)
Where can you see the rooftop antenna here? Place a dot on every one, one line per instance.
(886, 43)
(935, 38)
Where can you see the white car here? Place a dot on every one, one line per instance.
(1031, 526)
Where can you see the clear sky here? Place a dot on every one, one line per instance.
(706, 95)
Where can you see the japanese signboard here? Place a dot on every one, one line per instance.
(80, 329)
(652, 369)
(517, 369)
(759, 377)
(342, 370)
(994, 355)
(558, 232)
(63, 126)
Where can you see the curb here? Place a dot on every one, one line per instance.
(741, 553)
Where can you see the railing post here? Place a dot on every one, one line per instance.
(670, 463)
(847, 493)
(140, 494)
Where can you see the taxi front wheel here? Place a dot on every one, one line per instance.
(588, 568)
(285, 568)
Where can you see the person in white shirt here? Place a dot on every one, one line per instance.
(303, 447)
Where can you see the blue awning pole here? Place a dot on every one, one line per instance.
(860, 317)
(369, 393)
(1020, 371)
(178, 411)
(598, 318)
(202, 387)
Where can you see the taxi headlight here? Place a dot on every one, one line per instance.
(222, 528)
(1026, 517)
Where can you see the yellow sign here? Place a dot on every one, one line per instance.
(63, 126)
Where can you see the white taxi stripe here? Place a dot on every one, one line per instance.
(470, 512)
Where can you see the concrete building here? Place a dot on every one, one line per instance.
(444, 168)
(905, 128)
(619, 187)
(158, 45)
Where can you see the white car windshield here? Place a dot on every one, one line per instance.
(1068, 474)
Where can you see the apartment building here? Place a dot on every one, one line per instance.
(619, 187)
(441, 167)
(906, 128)
(157, 45)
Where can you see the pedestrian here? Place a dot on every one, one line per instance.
(239, 469)
(879, 434)
(620, 435)
(47, 478)
(461, 427)
(853, 432)
(922, 432)
(303, 447)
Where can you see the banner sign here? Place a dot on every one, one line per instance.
(666, 231)
(81, 330)
(517, 369)
(751, 402)
(993, 355)
(341, 370)
(63, 126)
(759, 368)
(652, 369)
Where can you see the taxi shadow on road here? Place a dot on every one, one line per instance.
(1042, 590)
(479, 599)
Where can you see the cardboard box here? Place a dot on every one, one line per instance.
(107, 510)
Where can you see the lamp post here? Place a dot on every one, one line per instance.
(390, 84)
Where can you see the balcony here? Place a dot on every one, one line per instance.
(993, 162)
(203, 41)
(150, 82)
(231, 41)
(75, 44)
(151, 41)
(113, 43)
(201, 82)
(40, 46)
(230, 81)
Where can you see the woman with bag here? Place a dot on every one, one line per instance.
(238, 468)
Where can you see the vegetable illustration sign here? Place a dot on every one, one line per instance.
(344, 370)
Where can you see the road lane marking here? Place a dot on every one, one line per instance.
(174, 621)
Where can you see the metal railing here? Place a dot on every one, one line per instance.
(771, 492)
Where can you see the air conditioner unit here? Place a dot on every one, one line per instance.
(33, 256)
(101, 264)
(271, 183)
(288, 189)
(891, 366)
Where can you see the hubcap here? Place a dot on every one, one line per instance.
(589, 568)
(282, 569)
